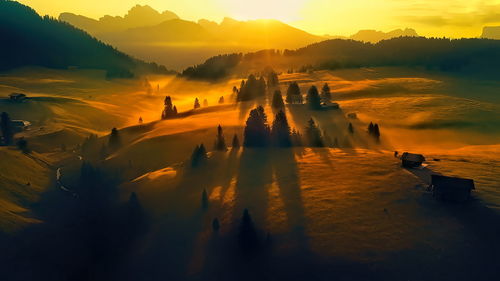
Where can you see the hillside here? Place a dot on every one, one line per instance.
(478, 57)
(31, 40)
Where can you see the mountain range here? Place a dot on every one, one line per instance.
(177, 43)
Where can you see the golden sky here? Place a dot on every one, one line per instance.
(451, 18)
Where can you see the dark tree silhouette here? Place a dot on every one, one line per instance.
(140, 120)
(277, 102)
(326, 96)
(313, 134)
(22, 144)
(252, 88)
(220, 141)
(114, 141)
(169, 111)
(204, 199)
(272, 79)
(214, 68)
(221, 100)
(257, 131)
(248, 239)
(350, 128)
(293, 94)
(296, 138)
(236, 142)
(370, 128)
(6, 128)
(196, 103)
(215, 225)
(199, 156)
(376, 132)
(313, 100)
(280, 132)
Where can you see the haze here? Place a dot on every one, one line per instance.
(461, 18)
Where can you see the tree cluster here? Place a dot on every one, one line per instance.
(293, 94)
(220, 141)
(374, 131)
(251, 88)
(313, 99)
(170, 110)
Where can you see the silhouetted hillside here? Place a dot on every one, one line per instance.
(28, 39)
(476, 56)
(491, 32)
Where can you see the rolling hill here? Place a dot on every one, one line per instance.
(32, 40)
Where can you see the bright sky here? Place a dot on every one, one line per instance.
(451, 18)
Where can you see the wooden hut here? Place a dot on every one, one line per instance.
(410, 160)
(451, 188)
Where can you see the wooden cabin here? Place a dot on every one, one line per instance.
(17, 97)
(451, 188)
(411, 160)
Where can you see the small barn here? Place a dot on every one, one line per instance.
(411, 160)
(451, 188)
(17, 97)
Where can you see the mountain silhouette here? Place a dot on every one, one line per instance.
(138, 16)
(491, 32)
(179, 43)
(31, 40)
(374, 36)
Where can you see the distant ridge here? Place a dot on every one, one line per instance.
(30, 40)
(491, 32)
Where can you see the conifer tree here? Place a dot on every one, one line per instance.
(114, 141)
(280, 133)
(236, 142)
(277, 102)
(376, 132)
(221, 100)
(6, 128)
(272, 79)
(199, 156)
(350, 128)
(370, 128)
(247, 234)
(326, 95)
(215, 225)
(196, 103)
(293, 95)
(257, 131)
(168, 111)
(313, 100)
(220, 142)
(313, 134)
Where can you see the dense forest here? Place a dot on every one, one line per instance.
(480, 56)
(29, 39)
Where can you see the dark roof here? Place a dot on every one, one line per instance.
(17, 95)
(413, 157)
(452, 182)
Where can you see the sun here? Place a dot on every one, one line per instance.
(284, 10)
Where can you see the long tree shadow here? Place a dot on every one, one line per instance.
(288, 180)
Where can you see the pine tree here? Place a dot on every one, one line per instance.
(140, 120)
(277, 102)
(204, 199)
(350, 128)
(215, 225)
(196, 103)
(247, 235)
(272, 79)
(257, 131)
(236, 142)
(199, 156)
(220, 142)
(280, 133)
(175, 110)
(221, 100)
(326, 96)
(313, 100)
(313, 134)
(168, 111)
(370, 128)
(114, 141)
(376, 132)
(6, 128)
(293, 95)
(261, 88)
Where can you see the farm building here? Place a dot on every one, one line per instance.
(20, 125)
(410, 160)
(451, 188)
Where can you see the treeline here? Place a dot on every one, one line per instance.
(433, 53)
(442, 54)
(28, 39)
(214, 68)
